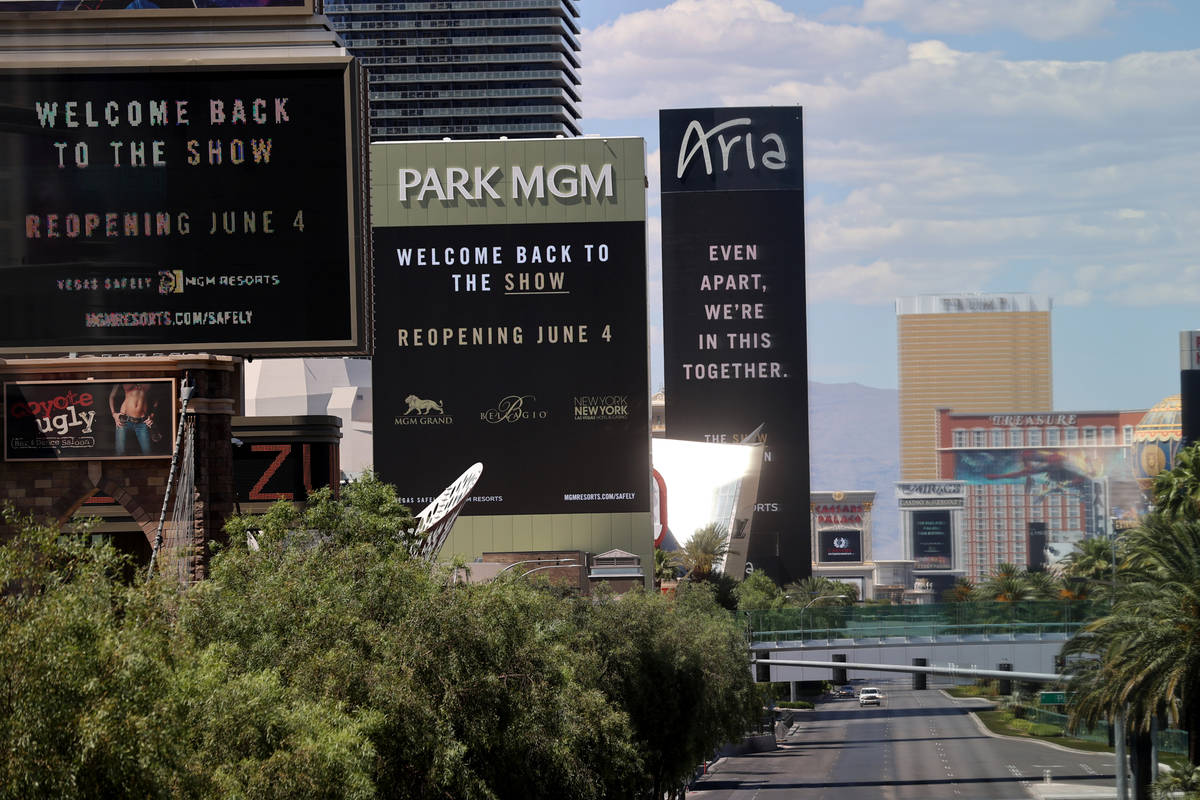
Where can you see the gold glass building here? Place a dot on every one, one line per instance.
(969, 353)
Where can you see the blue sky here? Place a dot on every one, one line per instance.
(1045, 146)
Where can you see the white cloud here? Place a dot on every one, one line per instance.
(1037, 19)
(930, 168)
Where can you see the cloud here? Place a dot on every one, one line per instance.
(931, 168)
(1037, 19)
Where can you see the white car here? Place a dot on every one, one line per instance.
(869, 696)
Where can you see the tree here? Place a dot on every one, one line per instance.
(664, 567)
(1145, 653)
(680, 670)
(806, 590)
(758, 593)
(1007, 583)
(962, 591)
(701, 554)
(1177, 490)
(1091, 559)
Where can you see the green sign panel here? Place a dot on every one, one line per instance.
(1053, 698)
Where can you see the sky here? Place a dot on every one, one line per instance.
(1042, 146)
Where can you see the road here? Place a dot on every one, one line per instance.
(918, 745)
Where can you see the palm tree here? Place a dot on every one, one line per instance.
(1008, 583)
(962, 591)
(803, 591)
(700, 556)
(1092, 559)
(664, 568)
(1145, 653)
(1177, 490)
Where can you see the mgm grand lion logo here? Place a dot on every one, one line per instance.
(422, 406)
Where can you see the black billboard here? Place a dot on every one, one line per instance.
(932, 541)
(521, 346)
(131, 418)
(733, 306)
(840, 546)
(212, 209)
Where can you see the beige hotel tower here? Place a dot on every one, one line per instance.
(970, 353)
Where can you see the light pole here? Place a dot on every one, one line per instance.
(815, 599)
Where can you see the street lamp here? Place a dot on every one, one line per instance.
(815, 599)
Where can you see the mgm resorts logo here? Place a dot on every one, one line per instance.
(513, 408)
(424, 412)
(600, 407)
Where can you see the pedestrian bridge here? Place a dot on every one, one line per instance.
(971, 635)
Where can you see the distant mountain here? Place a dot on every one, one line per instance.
(854, 443)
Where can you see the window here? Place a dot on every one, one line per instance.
(1108, 435)
(1127, 434)
(997, 437)
(1071, 436)
(1035, 437)
(960, 437)
(1089, 435)
(1016, 438)
(1052, 437)
(979, 438)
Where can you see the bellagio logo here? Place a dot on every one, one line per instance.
(513, 408)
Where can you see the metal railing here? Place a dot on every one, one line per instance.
(973, 620)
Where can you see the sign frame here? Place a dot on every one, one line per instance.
(167, 431)
(354, 177)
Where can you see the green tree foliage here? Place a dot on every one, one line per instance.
(328, 663)
(962, 591)
(1177, 490)
(1091, 559)
(758, 593)
(680, 671)
(700, 556)
(819, 589)
(1144, 654)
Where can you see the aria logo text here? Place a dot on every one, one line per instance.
(421, 411)
(513, 408)
(598, 407)
(727, 140)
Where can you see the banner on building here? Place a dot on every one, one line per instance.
(512, 323)
(132, 418)
(733, 305)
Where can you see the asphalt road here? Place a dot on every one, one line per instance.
(915, 746)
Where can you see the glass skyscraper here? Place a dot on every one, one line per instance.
(466, 69)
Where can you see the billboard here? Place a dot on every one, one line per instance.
(211, 209)
(126, 9)
(932, 539)
(733, 305)
(836, 546)
(512, 323)
(132, 418)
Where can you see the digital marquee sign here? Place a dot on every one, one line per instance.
(131, 418)
(733, 306)
(843, 546)
(150, 8)
(210, 209)
(932, 548)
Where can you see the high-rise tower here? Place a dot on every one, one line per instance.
(466, 69)
(967, 352)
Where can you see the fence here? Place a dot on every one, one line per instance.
(970, 619)
(1169, 740)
